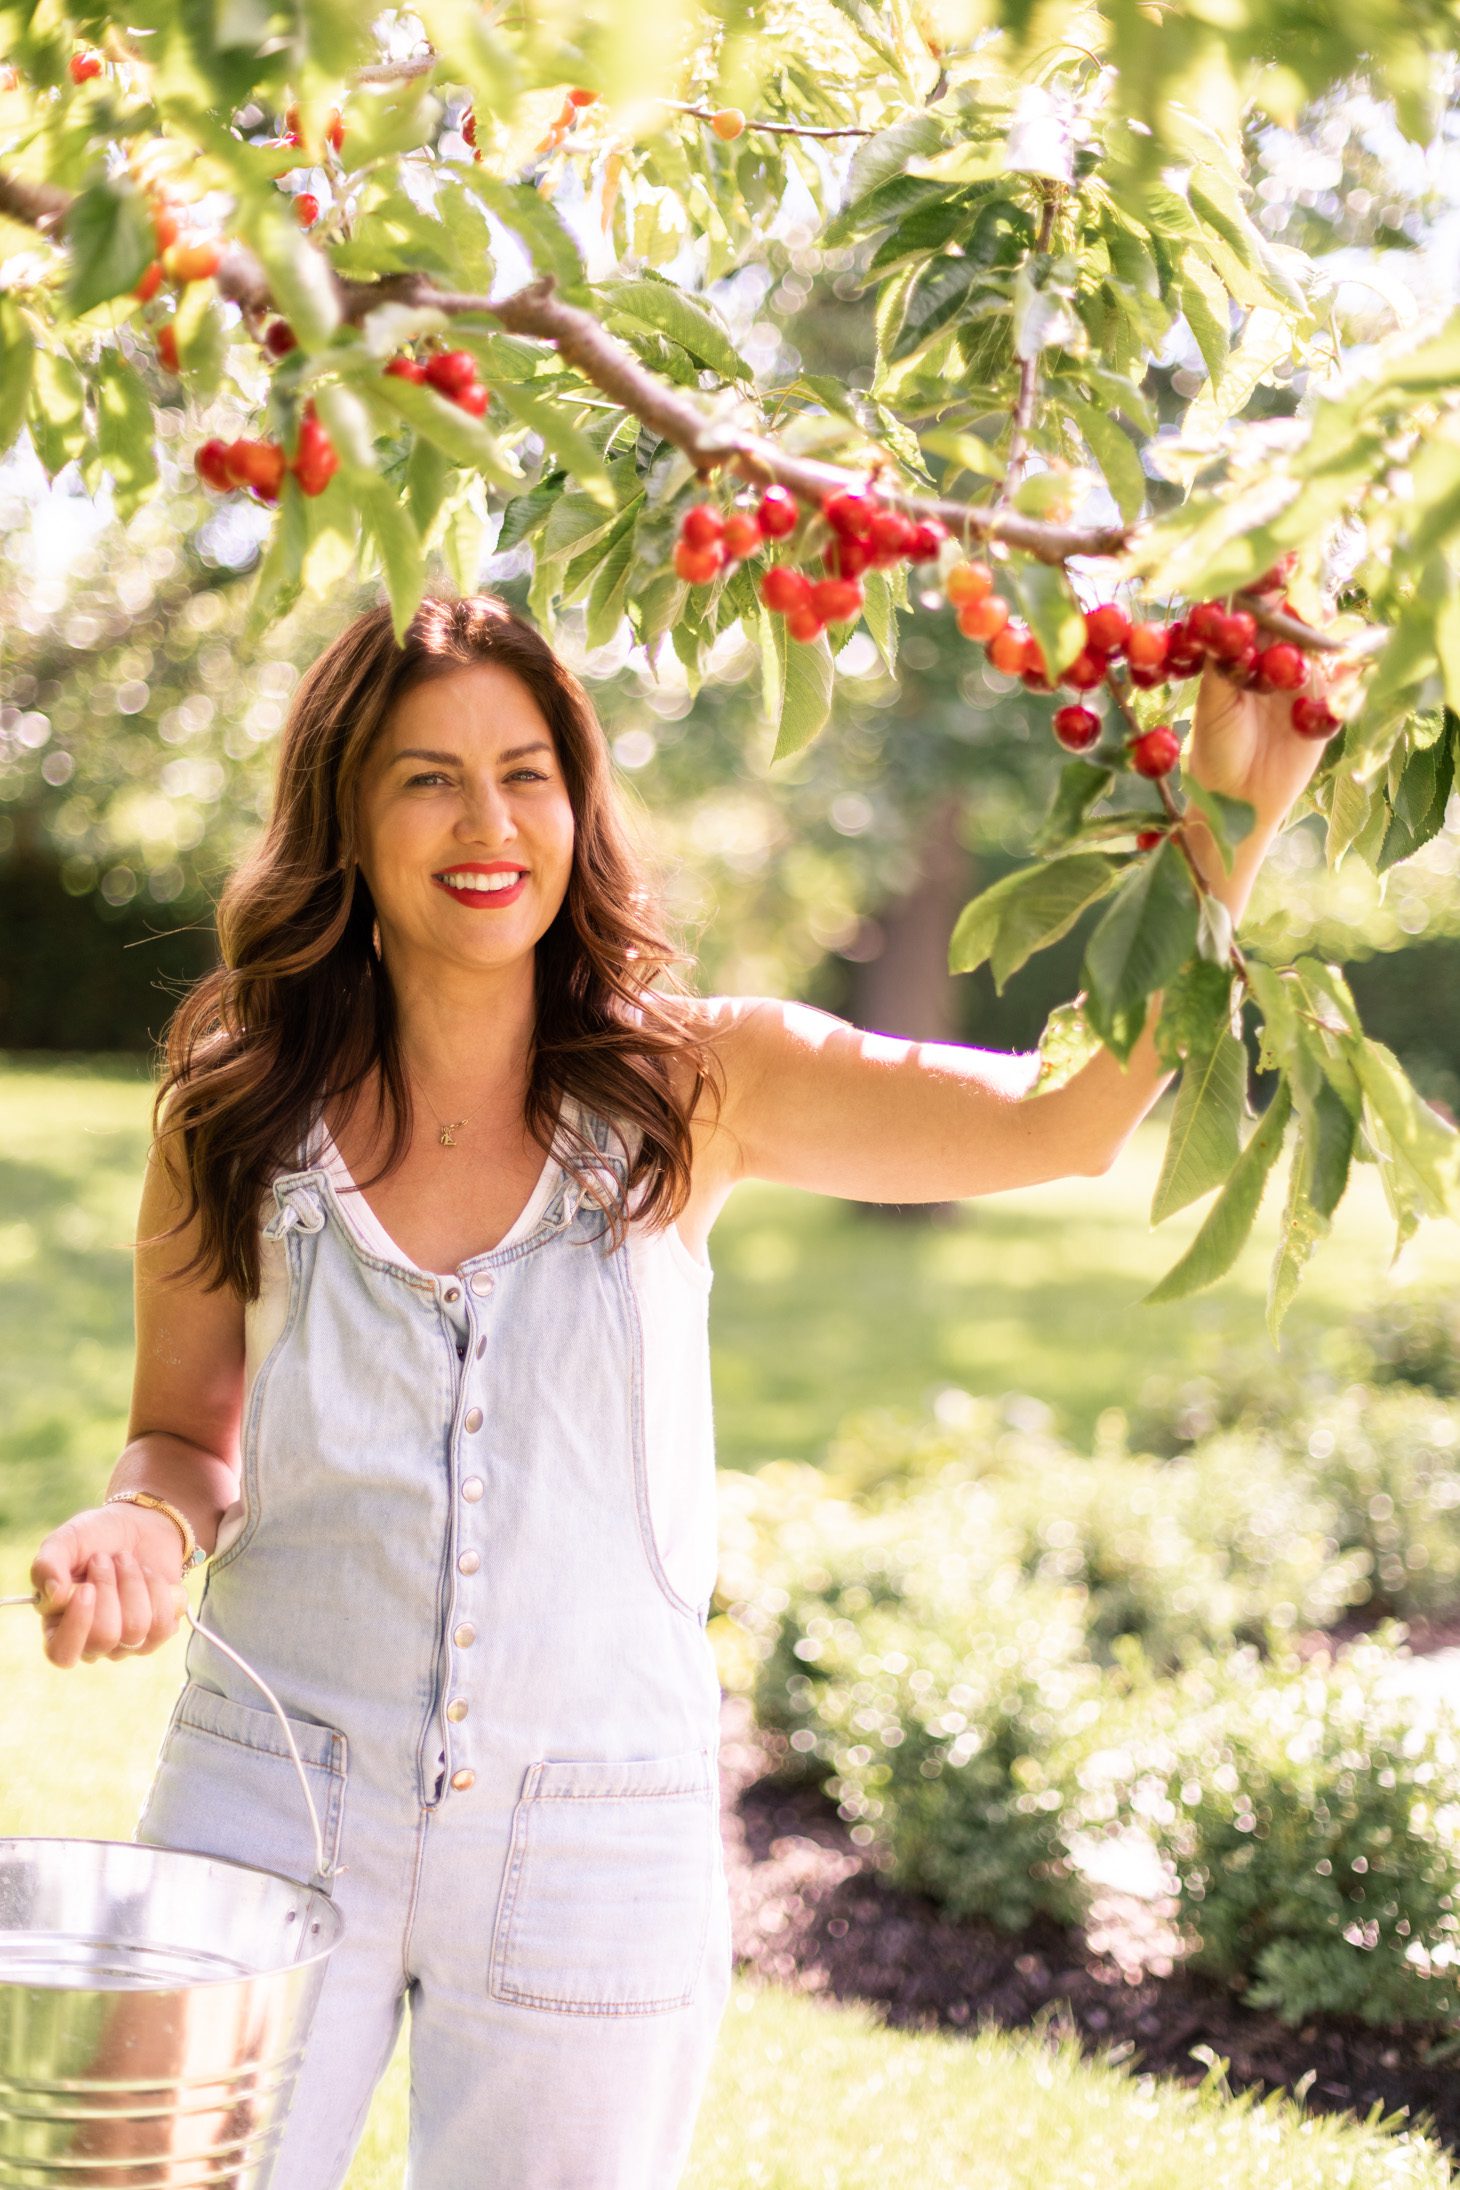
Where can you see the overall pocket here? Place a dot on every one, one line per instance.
(226, 1786)
(606, 1899)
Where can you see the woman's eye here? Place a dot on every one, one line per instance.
(535, 773)
(412, 781)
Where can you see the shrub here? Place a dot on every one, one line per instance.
(1311, 1815)
(1387, 1463)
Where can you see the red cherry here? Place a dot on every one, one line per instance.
(209, 462)
(804, 624)
(836, 600)
(848, 557)
(167, 347)
(1034, 663)
(469, 126)
(164, 224)
(279, 338)
(1086, 671)
(256, 464)
(315, 462)
(702, 526)
(890, 534)
(968, 582)
(1006, 648)
(1184, 660)
(191, 261)
(983, 619)
(581, 96)
(784, 590)
(1145, 646)
(1234, 634)
(1106, 628)
(449, 371)
(698, 565)
(83, 66)
(1282, 666)
(306, 209)
(406, 368)
(927, 538)
(335, 132)
(777, 513)
(1146, 680)
(1313, 718)
(849, 513)
(742, 534)
(1148, 839)
(1077, 728)
(1204, 622)
(473, 400)
(1155, 752)
(150, 283)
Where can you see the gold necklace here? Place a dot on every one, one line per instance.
(445, 1131)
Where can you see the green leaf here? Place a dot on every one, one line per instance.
(936, 295)
(610, 586)
(124, 443)
(1024, 912)
(1066, 1046)
(540, 229)
(17, 360)
(572, 448)
(111, 244)
(473, 53)
(885, 156)
(879, 615)
(1204, 1140)
(1196, 1004)
(388, 524)
(1207, 311)
(1115, 453)
(773, 644)
(1229, 819)
(347, 421)
(1043, 593)
(1145, 935)
(1080, 784)
(278, 579)
(464, 438)
(299, 275)
(898, 199)
(1424, 1149)
(1231, 1217)
(1418, 806)
(806, 700)
(657, 307)
(57, 414)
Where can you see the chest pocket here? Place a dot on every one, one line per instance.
(606, 1901)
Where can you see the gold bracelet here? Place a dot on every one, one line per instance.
(193, 1552)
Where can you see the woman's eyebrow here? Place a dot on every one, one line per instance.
(513, 752)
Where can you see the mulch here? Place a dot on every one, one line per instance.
(812, 1913)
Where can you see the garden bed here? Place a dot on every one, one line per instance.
(811, 1912)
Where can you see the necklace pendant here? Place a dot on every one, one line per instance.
(447, 1131)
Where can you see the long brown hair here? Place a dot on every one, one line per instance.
(300, 1009)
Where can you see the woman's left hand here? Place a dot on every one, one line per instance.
(1243, 743)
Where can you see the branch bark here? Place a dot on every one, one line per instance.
(712, 444)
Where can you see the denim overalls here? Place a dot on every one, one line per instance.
(508, 1716)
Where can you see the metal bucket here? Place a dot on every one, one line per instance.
(154, 2006)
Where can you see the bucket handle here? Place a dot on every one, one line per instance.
(325, 1870)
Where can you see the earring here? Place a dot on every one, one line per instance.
(375, 937)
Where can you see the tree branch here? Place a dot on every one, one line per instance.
(1022, 416)
(712, 444)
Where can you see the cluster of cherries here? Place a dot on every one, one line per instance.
(865, 536)
(452, 373)
(261, 465)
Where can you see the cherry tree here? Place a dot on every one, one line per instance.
(474, 278)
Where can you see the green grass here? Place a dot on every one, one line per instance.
(819, 1309)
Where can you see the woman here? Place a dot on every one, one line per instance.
(448, 1448)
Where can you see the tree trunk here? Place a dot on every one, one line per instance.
(900, 979)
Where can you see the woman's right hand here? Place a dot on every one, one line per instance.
(111, 1584)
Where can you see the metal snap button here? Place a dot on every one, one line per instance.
(463, 1780)
(469, 1562)
(482, 1281)
(464, 1636)
(473, 1419)
(471, 1489)
(452, 1292)
(456, 1709)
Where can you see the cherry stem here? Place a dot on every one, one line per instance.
(1022, 415)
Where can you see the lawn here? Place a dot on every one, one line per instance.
(819, 1309)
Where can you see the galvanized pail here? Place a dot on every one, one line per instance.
(153, 2007)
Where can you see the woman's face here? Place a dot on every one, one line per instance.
(463, 792)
